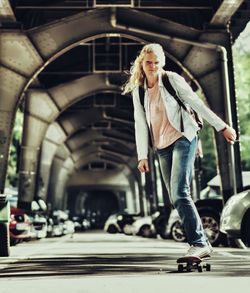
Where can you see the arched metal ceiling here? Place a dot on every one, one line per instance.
(50, 42)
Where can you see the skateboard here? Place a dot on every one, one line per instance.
(191, 263)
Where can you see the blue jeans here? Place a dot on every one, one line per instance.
(176, 163)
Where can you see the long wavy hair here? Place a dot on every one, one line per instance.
(137, 74)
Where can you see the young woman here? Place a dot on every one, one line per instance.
(176, 149)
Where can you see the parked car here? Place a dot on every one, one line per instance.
(80, 223)
(144, 226)
(57, 217)
(213, 189)
(20, 226)
(38, 219)
(235, 217)
(151, 225)
(210, 208)
(174, 228)
(119, 222)
(209, 211)
(85, 225)
(39, 226)
(68, 227)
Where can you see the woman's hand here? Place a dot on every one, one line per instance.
(143, 166)
(230, 134)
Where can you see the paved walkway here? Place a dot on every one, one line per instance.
(99, 262)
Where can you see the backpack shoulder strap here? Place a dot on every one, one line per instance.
(168, 86)
(141, 95)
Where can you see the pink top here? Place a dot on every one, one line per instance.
(164, 134)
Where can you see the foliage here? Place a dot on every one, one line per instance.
(242, 83)
(12, 174)
(241, 59)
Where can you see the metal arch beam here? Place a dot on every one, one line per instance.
(81, 138)
(66, 94)
(6, 12)
(73, 120)
(96, 153)
(56, 185)
(18, 60)
(93, 137)
(38, 103)
(54, 44)
(56, 136)
(84, 149)
(103, 156)
(44, 107)
(95, 149)
(48, 105)
(30, 154)
(50, 39)
(54, 39)
(225, 12)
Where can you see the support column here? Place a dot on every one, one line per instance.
(6, 126)
(34, 128)
(27, 176)
(235, 118)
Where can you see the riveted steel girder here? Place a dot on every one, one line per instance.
(47, 105)
(63, 152)
(18, 53)
(100, 178)
(42, 107)
(50, 148)
(39, 104)
(81, 138)
(6, 125)
(66, 94)
(55, 133)
(52, 38)
(119, 146)
(225, 11)
(56, 193)
(58, 178)
(6, 12)
(10, 88)
(18, 60)
(56, 38)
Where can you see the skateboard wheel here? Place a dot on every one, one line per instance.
(199, 269)
(208, 267)
(189, 268)
(180, 268)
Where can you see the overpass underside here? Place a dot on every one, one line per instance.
(63, 64)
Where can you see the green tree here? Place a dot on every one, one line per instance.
(242, 84)
(12, 173)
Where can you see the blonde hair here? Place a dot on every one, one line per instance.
(137, 74)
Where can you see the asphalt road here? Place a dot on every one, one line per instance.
(100, 262)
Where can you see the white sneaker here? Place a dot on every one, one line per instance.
(199, 251)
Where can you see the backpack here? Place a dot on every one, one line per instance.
(171, 90)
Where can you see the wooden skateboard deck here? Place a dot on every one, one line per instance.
(191, 263)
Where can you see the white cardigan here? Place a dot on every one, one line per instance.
(173, 110)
